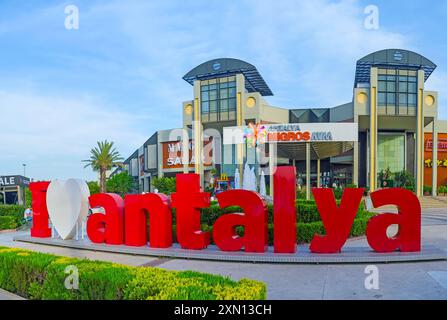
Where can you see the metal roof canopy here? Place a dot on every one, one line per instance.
(225, 67)
(318, 150)
(391, 58)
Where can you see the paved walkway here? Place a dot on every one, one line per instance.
(5, 295)
(422, 280)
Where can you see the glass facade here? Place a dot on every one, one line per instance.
(218, 99)
(391, 152)
(397, 92)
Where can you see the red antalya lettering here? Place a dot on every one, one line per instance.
(408, 220)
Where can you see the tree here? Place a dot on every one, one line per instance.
(93, 186)
(120, 183)
(164, 185)
(103, 158)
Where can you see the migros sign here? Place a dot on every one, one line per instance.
(124, 220)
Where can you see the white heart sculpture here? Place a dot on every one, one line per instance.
(67, 203)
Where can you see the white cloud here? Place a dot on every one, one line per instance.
(139, 50)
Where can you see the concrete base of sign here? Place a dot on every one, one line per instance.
(350, 254)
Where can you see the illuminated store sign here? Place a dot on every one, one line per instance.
(300, 132)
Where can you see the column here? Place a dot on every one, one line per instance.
(355, 164)
(19, 196)
(185, 150)
(435, 158)
(296, 171)
(308, 170)
(198, 141)
(272, 164)
(420, 137)
(373, 133)
(318, 173)
(239, 147)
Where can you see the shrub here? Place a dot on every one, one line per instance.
(12, 210)
(42, 276)
(442, 189)
(164, 185)
(11, 216)
(404, 179)
(8, 222)
(93, 186)
(121, 183)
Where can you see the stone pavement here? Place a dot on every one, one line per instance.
(5, 295)
(421, 280)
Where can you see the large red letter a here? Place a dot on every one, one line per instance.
(409, 220)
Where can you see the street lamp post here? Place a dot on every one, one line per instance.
(24, 176)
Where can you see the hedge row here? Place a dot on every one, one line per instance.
(8, 222)
(306, 212)
(15, 211)
(304, 231)
(36, 275)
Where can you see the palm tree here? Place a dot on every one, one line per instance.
(103, 158)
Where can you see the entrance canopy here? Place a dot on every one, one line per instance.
(319, 150)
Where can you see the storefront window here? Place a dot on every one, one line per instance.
(391, 152)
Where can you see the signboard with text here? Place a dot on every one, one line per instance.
(298, 132)
(13, 181)
(173, 154)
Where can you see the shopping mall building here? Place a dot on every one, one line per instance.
(388, 125)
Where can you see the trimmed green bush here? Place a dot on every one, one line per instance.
(8, 222)
(36, 275)
(306, 212)
(305, 230)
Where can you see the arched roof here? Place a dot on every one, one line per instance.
(227, 67)
(392, 57)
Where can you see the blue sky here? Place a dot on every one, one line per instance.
(119, 76)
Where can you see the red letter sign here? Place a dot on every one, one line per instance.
(284, 218)
(409, 220)
(108, 227)
(187, 201)
(337, 221)
(254, 221)
(40, 227)
(160, 220)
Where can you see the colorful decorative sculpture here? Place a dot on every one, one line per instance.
(255, 134)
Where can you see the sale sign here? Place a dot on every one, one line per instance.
(124, 220)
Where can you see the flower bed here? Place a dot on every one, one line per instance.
(36, 275)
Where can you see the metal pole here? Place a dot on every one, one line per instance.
(318, 173)
(24, 191)
(308, 170)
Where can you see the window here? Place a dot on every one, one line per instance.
(402, 99)
(391, 99)
(218, 96)
(382, 98)
(397, 88)
(412, 100)
(205, 106)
